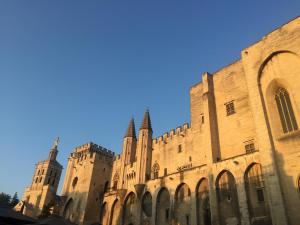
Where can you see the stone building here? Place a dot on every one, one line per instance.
(42, 192)
(236, 163)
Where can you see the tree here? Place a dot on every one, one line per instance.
(5, 198)
(15, 200)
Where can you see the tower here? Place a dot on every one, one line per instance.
(144, 150)
(85, 183)
(129, 144)
(129, 150)
(42, 191)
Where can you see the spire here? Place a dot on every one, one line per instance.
(53, 151)
(146, 124)
(131, 129)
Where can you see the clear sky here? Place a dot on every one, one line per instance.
(81, 69)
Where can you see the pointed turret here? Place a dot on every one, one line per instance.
(130, 130)
(146, 124)
(144, 150)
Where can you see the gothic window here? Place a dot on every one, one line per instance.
(115, 181)
(285, 110)
(155, 170)
(36, 180)
(39, 172)
(50, 172)
(230, 108)
(48, 181)
(53, 182)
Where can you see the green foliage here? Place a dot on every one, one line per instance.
(15, 200)
(5, 198)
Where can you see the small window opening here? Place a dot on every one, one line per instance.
(179, 148)
(165, 172)
(230, 108)
(250, 148)
(74, 183)
(202, 118)
(167, 214)
(260, 195)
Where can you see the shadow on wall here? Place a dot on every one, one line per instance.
(74, 207)
(178, 209)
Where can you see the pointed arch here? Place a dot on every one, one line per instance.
(183, 206)
(115, 212)
(202, 203)
(68, 210)
(163, 205)
(128, 208)
(257, 200)
(267, 59)
(104, 214)
(228, 205)
(147, 204)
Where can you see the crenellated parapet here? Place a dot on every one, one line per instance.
(92, 148)
(169, 136)
(117, 157)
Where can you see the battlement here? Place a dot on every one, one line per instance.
(92, 147)
(181, 130)
(117, 157)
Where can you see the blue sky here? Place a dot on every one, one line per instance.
(81, 69)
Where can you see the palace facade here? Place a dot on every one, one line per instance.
(236, 163)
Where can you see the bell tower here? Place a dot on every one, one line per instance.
(42, 191)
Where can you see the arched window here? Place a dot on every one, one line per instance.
(36, 180)
(155, 170)
(285, 110)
